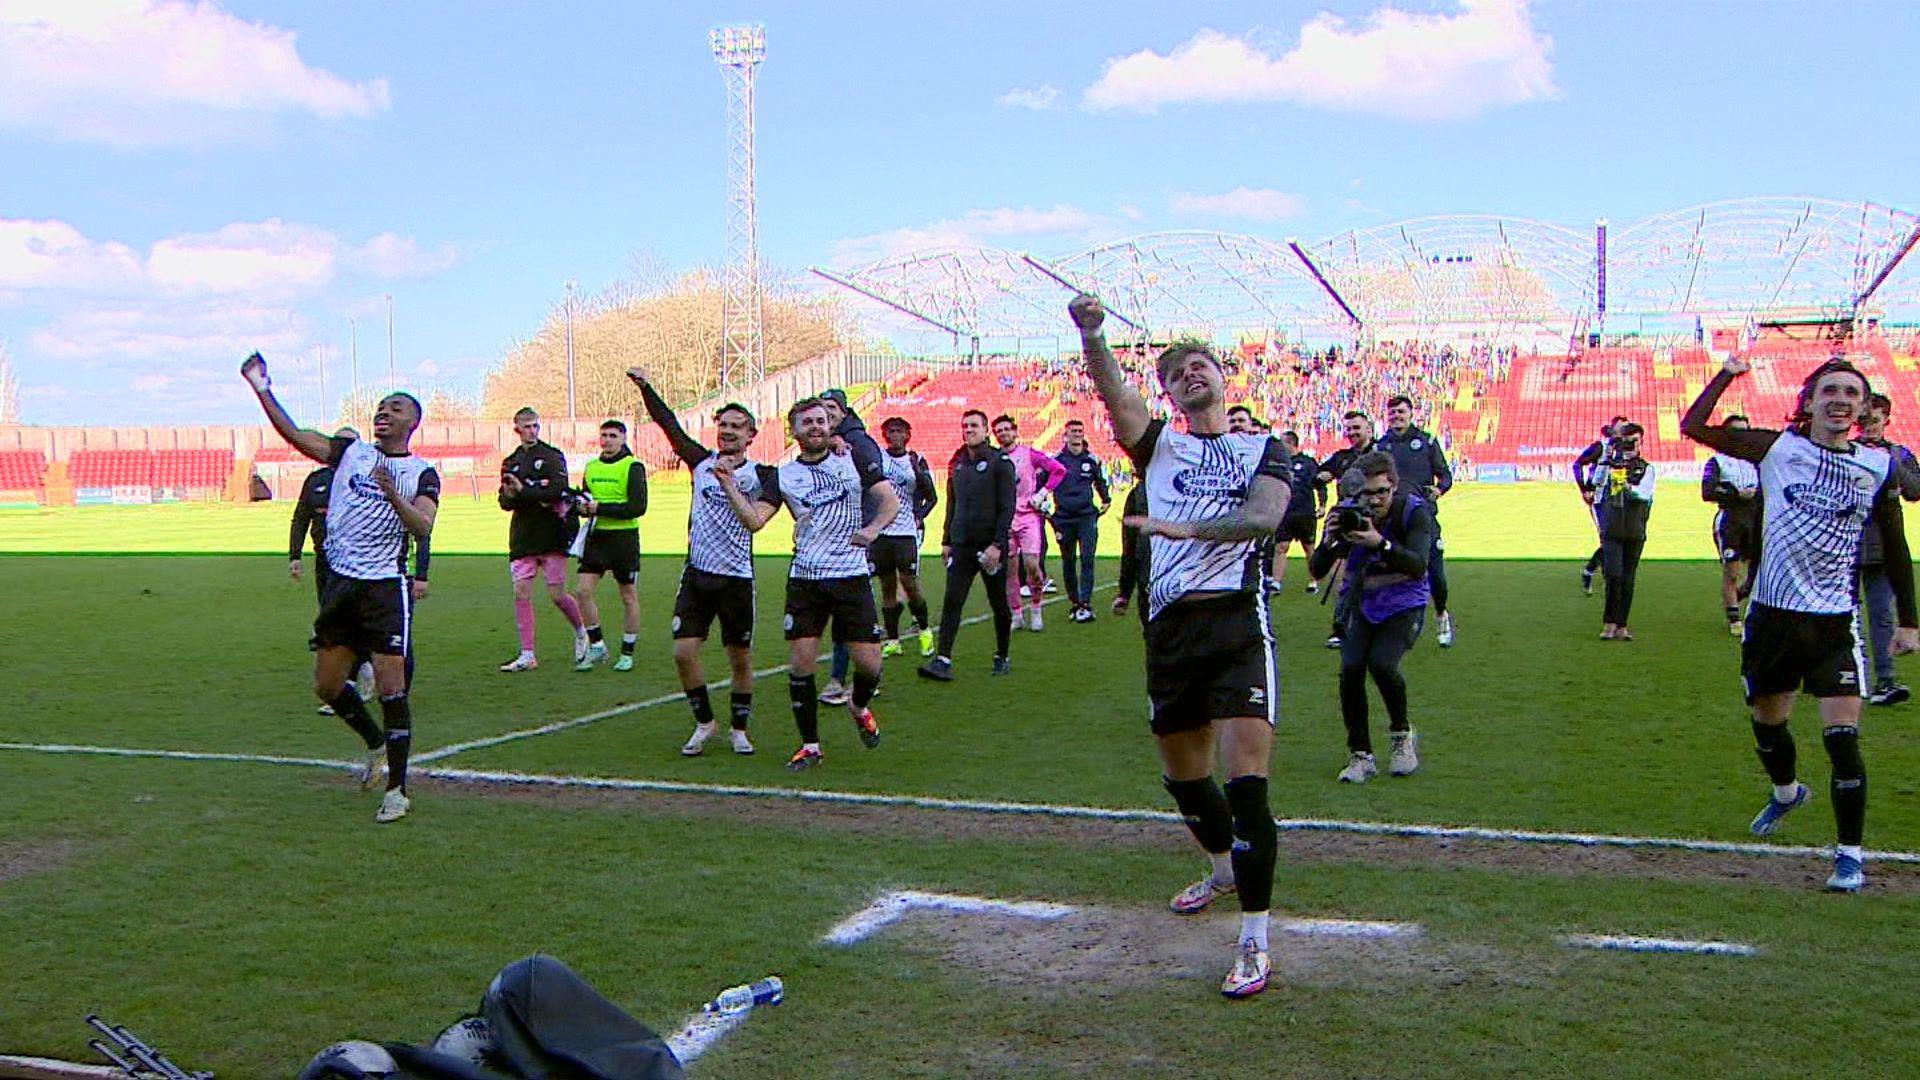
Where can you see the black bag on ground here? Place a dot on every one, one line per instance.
(549, 1024)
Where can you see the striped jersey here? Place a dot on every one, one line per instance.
(365, 537)
(1816, 502)
(826, 500)
(1197, 478)
(716, 541)
(903, 473)
(1734, 471)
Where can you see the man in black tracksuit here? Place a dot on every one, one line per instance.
(1424, 471)
(980, 493)
(1304, 503)
(1135, 553)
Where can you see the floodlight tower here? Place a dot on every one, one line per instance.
(739, 51)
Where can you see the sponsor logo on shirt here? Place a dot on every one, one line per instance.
(1207, 483)
(1840, 502)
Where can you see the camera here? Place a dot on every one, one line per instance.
(1347, 516)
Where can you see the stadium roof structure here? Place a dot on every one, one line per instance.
(1728, 262)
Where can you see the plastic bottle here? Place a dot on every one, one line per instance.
(738, 999)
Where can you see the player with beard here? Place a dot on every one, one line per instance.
(1818, 489)
(1423, 470)
(1037, 475)
(381, 494)
(1212, 499)
(717, 582)
(828, 583)
(1734, 486)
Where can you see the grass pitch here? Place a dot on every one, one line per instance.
(244, 915)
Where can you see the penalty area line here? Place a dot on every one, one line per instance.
(554, 728)
(987, 806)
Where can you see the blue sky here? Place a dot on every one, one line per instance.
(180, 183)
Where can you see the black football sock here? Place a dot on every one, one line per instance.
(919, 609)
(864, 685)
(593, 634)
(1733, 613)
(702, 705)
(348, 707)
(1256, 841)
(742, 705)
(1775, 745)
(1849, 787)
(892, 616)
(1204, 806)
(805, 692)
(399, 717)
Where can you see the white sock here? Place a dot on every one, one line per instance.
(1253, 927)
(629, 639)
(365, 674)
(526, 654)
(1851, 851)
(813, 746)
(1222, 867)
(1785, 794)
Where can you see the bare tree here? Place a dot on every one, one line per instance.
(669, 326)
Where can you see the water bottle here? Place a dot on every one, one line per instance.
(738, 999)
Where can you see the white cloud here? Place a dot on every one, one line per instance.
(164, 333)
(136, 73)
(1038, 98)
(975, 228)
(55, 255)
(1401, 64)
(260, 258)
(1258, 204)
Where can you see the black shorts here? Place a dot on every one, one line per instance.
(616, 552)
(895, 554)
(365, 616)
(1796, 650)
(704, 596)
(847, 603)
(1736, 534)
(1301, 527)
(1210, 660)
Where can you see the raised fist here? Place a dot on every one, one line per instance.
(254, 370)
(1736, 365)
(1087, 312)
(639, 376)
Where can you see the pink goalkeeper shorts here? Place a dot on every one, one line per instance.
(553, 566)
(1024, 538)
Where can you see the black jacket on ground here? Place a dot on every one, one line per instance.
(980, 487)
(537, 527)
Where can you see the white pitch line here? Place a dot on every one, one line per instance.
(1349, 928)
(891, 907)
(621, 710)
(1628, 943)
(700, 1032)
(979, 806)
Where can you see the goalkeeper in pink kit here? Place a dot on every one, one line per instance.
(1035, 477)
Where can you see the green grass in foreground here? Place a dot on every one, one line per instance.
(246, 915)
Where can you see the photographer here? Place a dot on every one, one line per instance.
(1624, 496)
(1383, 537)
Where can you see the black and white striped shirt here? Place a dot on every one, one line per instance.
(826, 500)
(903, 472)
(716, 541)
(1197, 478)
(365, 536)
(1817, 502)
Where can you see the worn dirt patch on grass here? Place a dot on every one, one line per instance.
(1302, 847)
(19, 858)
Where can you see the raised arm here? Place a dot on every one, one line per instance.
(661, 413)
(1748, 444)
(307, 441)
(1124, 404)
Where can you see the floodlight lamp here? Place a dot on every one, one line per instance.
(735, 45)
